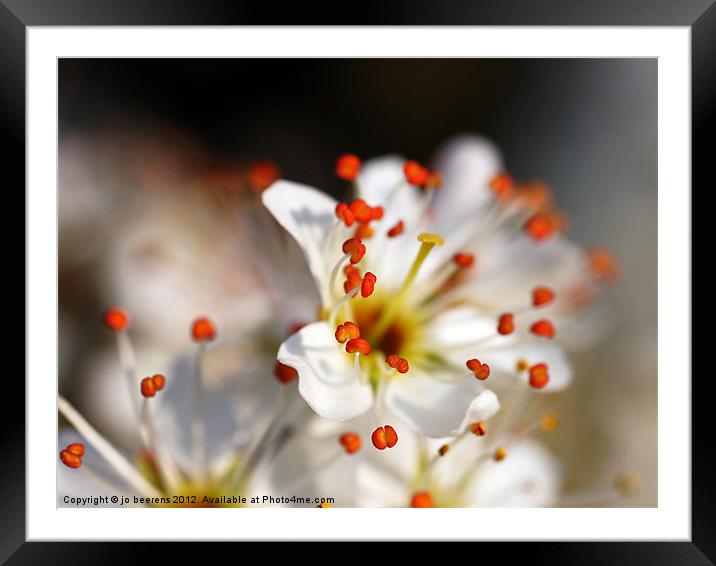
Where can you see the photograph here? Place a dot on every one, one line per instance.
(357, 282)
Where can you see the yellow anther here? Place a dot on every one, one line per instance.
(549, 422)
(522, 365)
(499, 454)
(428, 238)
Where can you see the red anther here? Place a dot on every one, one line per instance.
(416, 174)
(203, 330)
(398, 363)
(347, 331)
(355, 247)
(536, 194)
(463, 259)
(358, 345)
(116, 319)
(351, 283)
(542, 296)
(603, 263)
(540, 227)
(539, 376)
(344, 213)
(262, 174)
(364, 231)
(70, 460)
(391, 437)
(501, 185)
(376, 212)
(478, 429)
(422, 499)
(284, 373)
(506, 324)
(368, 284)
(76, 448)
(384, 437)
(543, 328)
(396, 230)
(361, 210)
(147, 387)
(159, 381)
(347, 166)
(444, 449)
(481, 371)
(351, 442)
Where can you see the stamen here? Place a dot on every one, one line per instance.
(150, 385)
(106, 450)
(500, 454)
(506, 324)
(358, 345)
(116, 319)
(415, 174)
(285, 374)
(478, 429)
(443, 449)
(542, 296)
(463, 259)
(351, 442)
(540, 227)
(347, 331)
(343, 300)
(399, 364)
(354, 248)
(262, 175)
(435, 181)
(384, 437)
(538, 376)
(368, 284)
(522, 364)
(603, 263)
(396, 230)
(364, 231)
(422, 499)
(501, 185)
(361, 210)
(543, 328)
(481, 371)
(343, 212)
(72, 455)
(203, 330)
(348, 166)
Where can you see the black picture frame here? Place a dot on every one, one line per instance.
(699, 15)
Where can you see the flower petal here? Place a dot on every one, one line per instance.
(466, 164)
(308, 215)
(326, 375)
(429, 406)
(530, 476)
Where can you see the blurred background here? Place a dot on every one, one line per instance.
(144, 143)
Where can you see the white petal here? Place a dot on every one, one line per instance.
(308, 215)
(326, 375)
(482, 408)
(530, 476)
(429, 406)
(466, 163)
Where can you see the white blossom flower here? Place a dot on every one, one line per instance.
(200, 442)
(457, 267)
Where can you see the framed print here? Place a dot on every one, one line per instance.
(394, 281)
